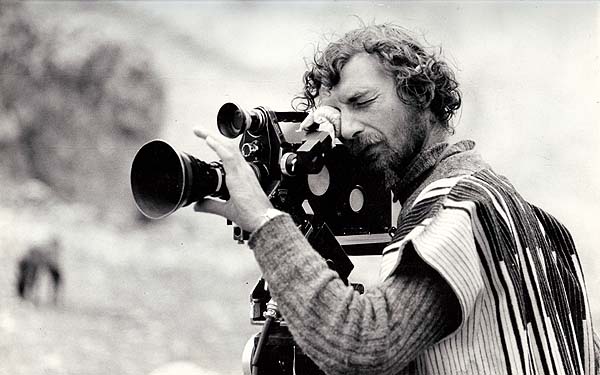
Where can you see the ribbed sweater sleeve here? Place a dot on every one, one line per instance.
(341, 330)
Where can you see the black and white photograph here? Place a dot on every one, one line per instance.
(299, 187)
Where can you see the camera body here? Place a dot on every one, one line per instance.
(310, 175)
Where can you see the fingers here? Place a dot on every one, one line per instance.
(307, 123)
(329, 128)
(201, 133)
(326, 117)
(327, 114)
(224, 152)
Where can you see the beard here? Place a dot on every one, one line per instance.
(389, 158)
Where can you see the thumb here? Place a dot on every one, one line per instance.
(307, 122)
(212, 206)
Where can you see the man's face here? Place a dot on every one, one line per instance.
(385, 133)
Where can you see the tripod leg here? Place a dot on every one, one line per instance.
(261, 343)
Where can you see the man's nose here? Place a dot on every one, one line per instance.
(350, 126)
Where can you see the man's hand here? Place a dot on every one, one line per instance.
(328, 119)
(248, 204)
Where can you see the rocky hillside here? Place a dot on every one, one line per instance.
(73, 110)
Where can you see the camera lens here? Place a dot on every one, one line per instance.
(232, 120)
(163, 180)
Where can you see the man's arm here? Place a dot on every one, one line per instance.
(343, 331)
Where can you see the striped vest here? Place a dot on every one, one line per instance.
(515, 272)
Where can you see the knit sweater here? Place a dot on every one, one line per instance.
(344, 332)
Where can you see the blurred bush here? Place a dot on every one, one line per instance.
(73, 109)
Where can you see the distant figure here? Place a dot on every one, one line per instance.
(41, 260)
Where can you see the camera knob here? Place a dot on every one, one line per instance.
(249, 149)
(287, 164)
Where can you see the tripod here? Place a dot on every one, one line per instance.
(273, 350)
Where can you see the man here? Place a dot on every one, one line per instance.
(475, 280)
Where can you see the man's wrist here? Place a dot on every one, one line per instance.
(269, 214)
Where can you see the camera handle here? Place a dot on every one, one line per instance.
(270, 315)
(321, 238)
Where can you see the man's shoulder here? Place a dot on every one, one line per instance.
(476, 188)
(460, 193)
(483, 186)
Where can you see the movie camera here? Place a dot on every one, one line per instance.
(340, 207)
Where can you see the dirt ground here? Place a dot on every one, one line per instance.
(134, 298)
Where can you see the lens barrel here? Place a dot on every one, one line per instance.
(164, 180)
(233, 120)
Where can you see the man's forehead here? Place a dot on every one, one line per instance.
(361, 75)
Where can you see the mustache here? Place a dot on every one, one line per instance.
(361, 143)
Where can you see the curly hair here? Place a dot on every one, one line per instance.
(423, 80)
